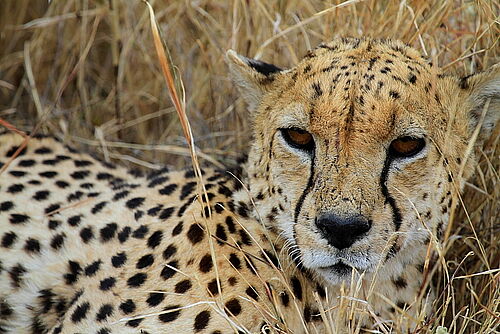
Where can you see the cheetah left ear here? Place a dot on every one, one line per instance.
(253, 77)
(481, 88)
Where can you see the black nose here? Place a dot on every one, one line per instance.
(342, 232)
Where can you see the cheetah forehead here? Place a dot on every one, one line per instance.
(353, 85)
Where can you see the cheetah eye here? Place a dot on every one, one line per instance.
(298, 138)
(406, 147)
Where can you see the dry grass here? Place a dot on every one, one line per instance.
(87, 71)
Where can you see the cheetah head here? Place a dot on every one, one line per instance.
(360, 150)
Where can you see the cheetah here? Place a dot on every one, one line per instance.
(358, 155)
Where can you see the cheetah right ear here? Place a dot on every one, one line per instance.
(253, 77)
(482, 88)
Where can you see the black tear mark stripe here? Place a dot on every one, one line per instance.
(306, 191)
(396, 214)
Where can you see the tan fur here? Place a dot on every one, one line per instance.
(56, 276)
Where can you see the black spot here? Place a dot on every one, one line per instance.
(187, 189)
(98, 207)
(155, 239)
(26, 163)
(243, 209)
(245, 238)
(206, 263)
(6, 206)
(195, 233)
(140, 232)
(212, 287)
(51, 209)
(177, 229)
(394, 94)
(75, 196)
(232, 281)
(41, 195)
(86, 234)
(155, 298)
(108, 232)
(5, 310)
(104, 330)
(285, 298)
(12, 151)
(80, 175)
(401, 304)
(48, 175)
(145, 261)
(82, 163)
(74, 220)
(158, 181)
(119, 259)
(317, 90)
(92, 268)
(17, 173)
(127, 306)
(105, 311)
(183, 286)
(9, 239)
(297, 288)
(135, 202)
(412, 78)
(120, 195)
(57, 241)
(168, 271)
(223, 190)
(235, 261)
(15, 188)
(107, 283)
(53, 224)
(104, 176)
(32, 245)
(80, 312)
(168, 190)
(272, 258)
(87, 185)
(233, 306)
(43, 150)
(17, 218)
(220, 233)
(252, 293)
(16, 273)
(137, 280)
(50, 162)
(135, 323)
(201, 321)
(230, 224)
(166, 213)
(124, 234)
(400, 282)
(169, 252)
(74, 271)
(170, 313)
(46, 299)
(154, 210)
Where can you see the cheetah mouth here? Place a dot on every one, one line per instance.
(340, 268)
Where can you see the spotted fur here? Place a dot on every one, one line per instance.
(87, 247)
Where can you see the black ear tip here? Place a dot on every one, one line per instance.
(262, 67)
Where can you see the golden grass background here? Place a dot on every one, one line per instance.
(87, 72)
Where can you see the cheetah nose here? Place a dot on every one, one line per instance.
(342, 232)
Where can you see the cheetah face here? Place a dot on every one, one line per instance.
(359, 151)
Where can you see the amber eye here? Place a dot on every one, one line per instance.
(298, 138)
(405, 147)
